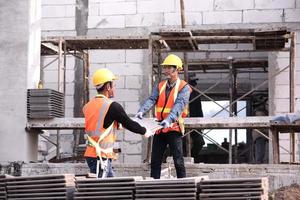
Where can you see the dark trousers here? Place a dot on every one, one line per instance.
(160, 142)
(92, 163)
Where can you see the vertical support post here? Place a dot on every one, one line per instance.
(275, 145)
(59, 87)
(150, 57)
(292, 92)
(234, 113)
(159, 66)
(231, 106)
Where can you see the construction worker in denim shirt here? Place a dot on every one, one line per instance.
(170, 98)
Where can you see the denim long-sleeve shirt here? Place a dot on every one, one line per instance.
(180, 103)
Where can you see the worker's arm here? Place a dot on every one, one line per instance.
(117, 113)
(181, 102)
(150, 102)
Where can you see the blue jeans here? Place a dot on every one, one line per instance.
(92, 164)
(160, 142)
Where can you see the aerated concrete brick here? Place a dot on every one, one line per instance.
(141, 20)
(282, 78)
(281, 105)
(132, 159)
(70, 10)
(274, 4)
(222, 17)
(233, 5)
(117, 8)
(106, 22)
(133, 82)
(297, 3)
(132, 107)
(120, 82)
(55, 24)
(107, 56)
(136, 55)
(127, 69)
(127, 95)
(58, 2)
(281, 91)
(262, 16)
(292, 15)
(133, 139)
(195, 5)
(155, 6)
(53, 11)
(93, 9)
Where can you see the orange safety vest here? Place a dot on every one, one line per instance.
(164, 105)
(94, 113)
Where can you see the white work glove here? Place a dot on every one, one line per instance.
(165, 124)
(148, 133)
(139, 115)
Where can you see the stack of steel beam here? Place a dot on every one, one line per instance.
(245, 188)
(107, 188)
(169, 189)
(41, 187)
(44, 103)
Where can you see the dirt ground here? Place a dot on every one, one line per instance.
(291, 192)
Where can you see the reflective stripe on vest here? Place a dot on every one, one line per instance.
(100, 140)
(165, 104)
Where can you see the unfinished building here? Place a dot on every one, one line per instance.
(237, 51)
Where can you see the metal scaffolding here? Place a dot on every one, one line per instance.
(186, 41)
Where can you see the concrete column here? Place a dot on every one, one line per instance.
(20, 38)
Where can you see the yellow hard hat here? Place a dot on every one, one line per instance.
(102, 76)
(173, 60)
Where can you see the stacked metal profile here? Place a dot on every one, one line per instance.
(171, 189)
(3, 194)
(108, 188)
(41, 187)
(44, 103)
(223, 189)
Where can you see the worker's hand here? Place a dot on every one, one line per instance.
(148, 133)
(165, 123)
(139, 115)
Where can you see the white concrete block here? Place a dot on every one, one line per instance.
(233, 5)
(130, 136)
(132, 159)
(120, 82)
(50, 76)
(52, 86)
(222, 17)
(69, 89)
(194, 18)
(107, 56)
(195, 5)
(282, 105)
(155, 6)
(223, 46)
(133, 82)
(282, 78)
(127, 95)
(282, 91)
(172, 19)
(282, 62)
(262, 16)
(58, 2)
(297, 3)
(117, 8)
(53, 11)
(69, 112)
(51, 33)
(69, 76)
(126, 69)
(258, 55)
(141, 20)
(106, 22)
(70, 10)
(58, 24)
(136, 55)
(292, 15)
(132, 107)
(94, 67)
(69, 101)
(94, 9)
(274, 4)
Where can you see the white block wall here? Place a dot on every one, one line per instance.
(111, 15)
